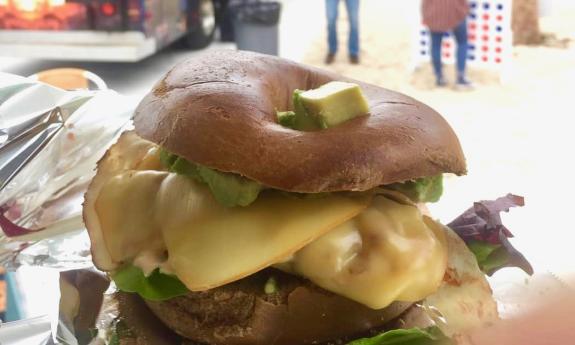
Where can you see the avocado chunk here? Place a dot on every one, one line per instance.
(302, 120)
(333, 103)
(228, 189)
(287, 118)
(424, 189)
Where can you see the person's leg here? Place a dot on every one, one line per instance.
(331, 13)
(353, 15)
(460, 33)
(224, 20)
(436, 38)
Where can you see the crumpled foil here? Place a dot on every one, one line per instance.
(50, 142)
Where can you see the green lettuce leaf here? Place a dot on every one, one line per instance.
(229, 189)
(489, 256)
(425, 189)
(412, 336)
(156, 287)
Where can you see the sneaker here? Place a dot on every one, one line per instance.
(329, 59)
(354, 59)
(440, 82)
(463, 84)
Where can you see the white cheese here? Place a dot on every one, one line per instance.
(389, 252)
(374, 250)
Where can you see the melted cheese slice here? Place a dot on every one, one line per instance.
(125, 208)
(374, 250)
(128, 153)
(209, 245)
(389, 252)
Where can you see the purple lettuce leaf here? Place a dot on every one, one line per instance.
(481, 228)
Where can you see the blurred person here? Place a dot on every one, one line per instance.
(331, 7)
(224, 20)
(441, 17)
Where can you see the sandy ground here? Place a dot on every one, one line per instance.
(517, 134)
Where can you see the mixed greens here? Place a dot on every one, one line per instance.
(155, 287)
(411, 336)
(481, 228)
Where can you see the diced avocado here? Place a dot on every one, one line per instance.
(286, 118)
(425, 189)
(183, 167)
(333, 103)
(167, 158)
(229, 189)
(302, 120)
(179, 165)
(327, 106)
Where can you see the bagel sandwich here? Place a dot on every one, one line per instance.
(237, 213)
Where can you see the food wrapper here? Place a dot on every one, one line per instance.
(50, 141)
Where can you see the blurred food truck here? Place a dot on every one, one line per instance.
(102, 30)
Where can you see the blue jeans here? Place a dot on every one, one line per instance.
(353, 14)
(460, 33)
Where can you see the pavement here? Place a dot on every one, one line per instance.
(130, 79)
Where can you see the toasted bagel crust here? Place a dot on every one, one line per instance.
(219, 110)
(298, 313)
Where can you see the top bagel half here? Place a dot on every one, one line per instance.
(219, 110)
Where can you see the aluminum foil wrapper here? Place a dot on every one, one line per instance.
(50, 142)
